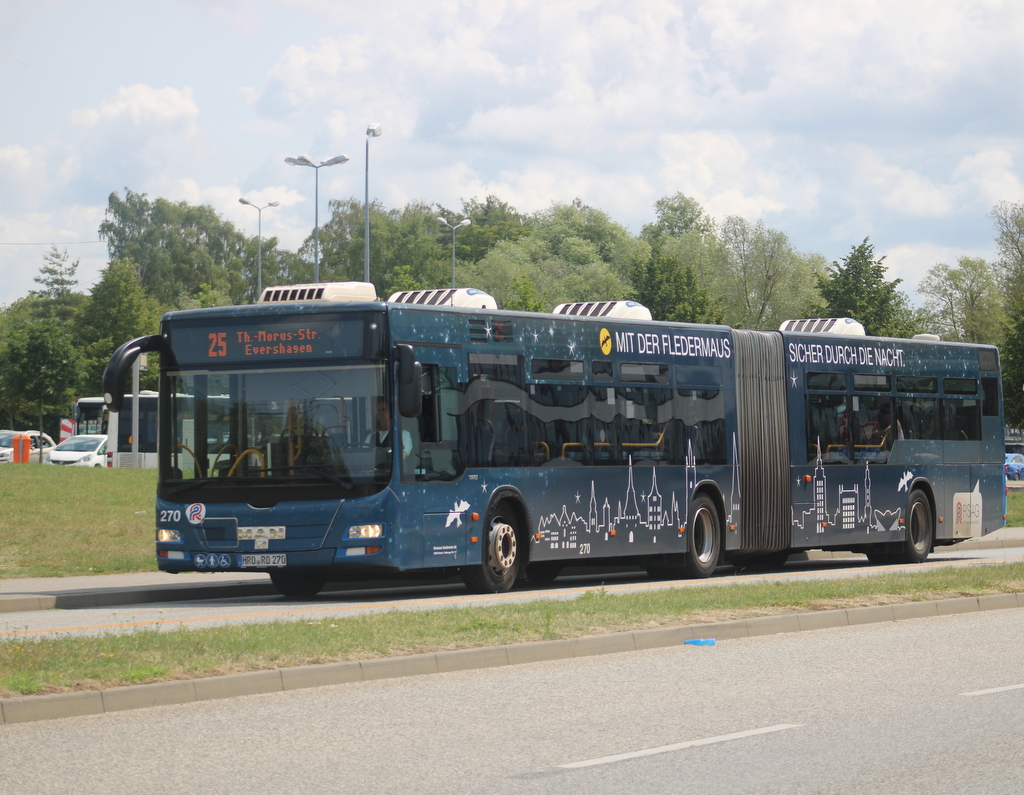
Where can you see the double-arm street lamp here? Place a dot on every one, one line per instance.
(372, 131)
(444, 223)
(303, 160)
(259, 243)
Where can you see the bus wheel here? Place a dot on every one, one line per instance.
(543, 573)
(297, 586)
(703, 538)
(920, 529)
(497, 572)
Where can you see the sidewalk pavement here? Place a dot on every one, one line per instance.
(106, 590)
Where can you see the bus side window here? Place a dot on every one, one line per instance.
(961, 419)
(828, 429)
(435, 432)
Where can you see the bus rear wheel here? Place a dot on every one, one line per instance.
(703, 538)
(920, 530)
(297, 586)
(501, 555)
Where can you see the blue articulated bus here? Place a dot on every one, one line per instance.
(322, 435)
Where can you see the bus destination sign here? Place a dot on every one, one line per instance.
(273, 339)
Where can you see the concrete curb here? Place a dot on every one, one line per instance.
(135, 595)
(148, 594)
(94, 702)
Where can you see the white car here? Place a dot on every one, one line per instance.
(7, 445)
(85, 450)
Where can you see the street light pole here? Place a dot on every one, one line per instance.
(259, 242)
(303, 160)
(372, 131)
(464, 222)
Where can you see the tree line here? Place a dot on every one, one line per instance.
(684, 265)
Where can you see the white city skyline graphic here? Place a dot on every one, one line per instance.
(852, 507)
(637, 516)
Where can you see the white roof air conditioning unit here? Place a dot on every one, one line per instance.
(626, 310)
(349, 292)
(462, 296)
(845, 326)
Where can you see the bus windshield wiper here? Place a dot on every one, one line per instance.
(247, 479)
(314, 468)
(192, 484)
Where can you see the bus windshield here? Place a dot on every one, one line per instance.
(90, 416)
(322, 428)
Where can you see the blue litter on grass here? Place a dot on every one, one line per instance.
(701, 642)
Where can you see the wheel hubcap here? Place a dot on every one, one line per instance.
(703, 535)
(917, 526)
(502, 547)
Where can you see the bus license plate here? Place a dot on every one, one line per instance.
(264, 561)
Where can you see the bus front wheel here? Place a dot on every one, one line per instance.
(703, 538)
(501, 555)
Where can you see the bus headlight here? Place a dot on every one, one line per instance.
(168, 536)
(366, 531)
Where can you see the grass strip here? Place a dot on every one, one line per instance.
(30, 666)
(63, 521)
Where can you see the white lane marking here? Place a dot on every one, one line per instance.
(664, 749)
(993, 690)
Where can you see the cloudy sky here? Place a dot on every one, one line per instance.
(898, 121)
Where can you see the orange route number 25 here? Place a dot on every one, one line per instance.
(218, 344)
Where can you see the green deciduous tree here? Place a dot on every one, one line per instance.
(176, 247)
(1011, 357)
(572, 253)
(58, 279)
(116, 311)
(855, 286)
(667, 284)
(40, 365)
(1009, 222)
(492, 221)
(678, 215)
(963, 302)
(764, 281)
(405, 252)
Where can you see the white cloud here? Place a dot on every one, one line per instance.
(992, 176)
(836, 121)
(719, 171)
(142, 105)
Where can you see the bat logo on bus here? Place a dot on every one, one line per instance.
(605, 338)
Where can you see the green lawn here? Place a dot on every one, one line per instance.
(63, 521)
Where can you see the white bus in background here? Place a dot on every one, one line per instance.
(90, 415)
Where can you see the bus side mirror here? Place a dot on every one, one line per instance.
(120, 362)
(410, 382)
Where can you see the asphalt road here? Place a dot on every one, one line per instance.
(201, 613)
(920, 706)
